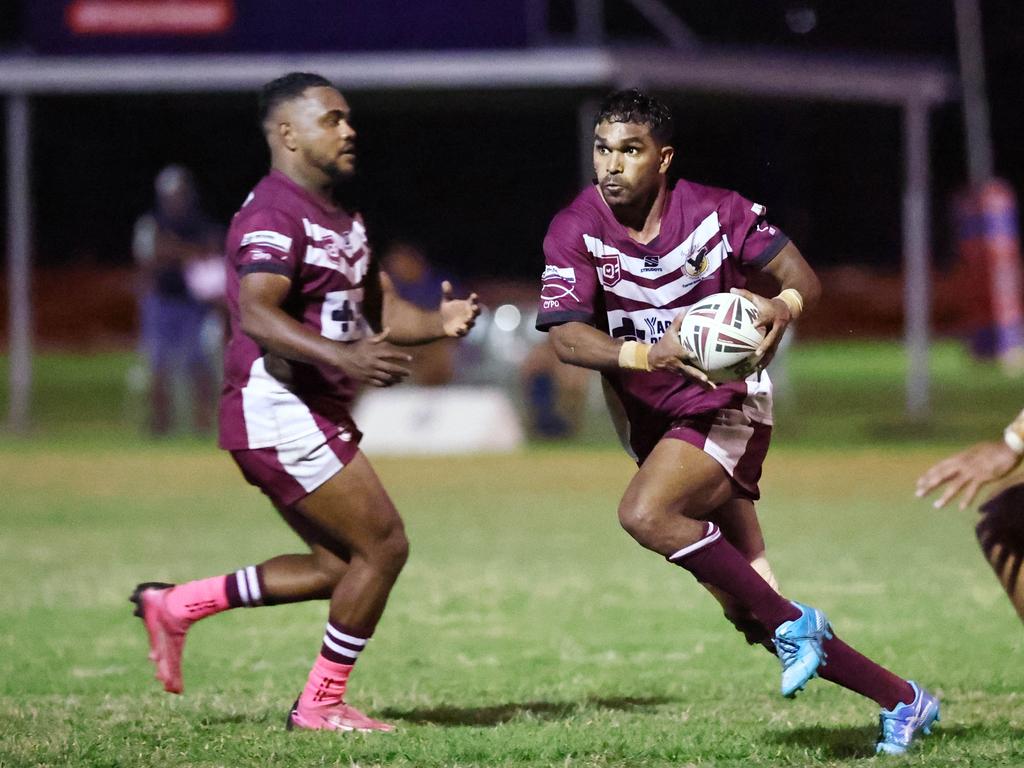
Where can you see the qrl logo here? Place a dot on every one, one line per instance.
(609, 270)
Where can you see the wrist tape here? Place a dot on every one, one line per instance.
(791, 298)
(633, 356)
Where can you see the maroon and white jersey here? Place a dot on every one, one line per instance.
(283, 229)
(596, 274)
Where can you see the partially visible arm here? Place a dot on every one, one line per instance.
(966, 472)
(800, 291)
(370, 360)
(412, 325)
(583, 345)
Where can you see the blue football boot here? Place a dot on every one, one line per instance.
(898, 726)
(798, 644)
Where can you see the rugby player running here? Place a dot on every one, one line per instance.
(623, 263)
(311, 320)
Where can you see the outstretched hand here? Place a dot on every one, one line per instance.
(374, 361)
(457, 315)
(966, 472)
(668, 354)
(774, 317)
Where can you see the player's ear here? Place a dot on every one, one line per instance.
(286, 135)
(667, 152)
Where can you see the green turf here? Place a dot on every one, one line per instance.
(527, 629)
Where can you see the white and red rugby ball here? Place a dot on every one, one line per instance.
(720, 332)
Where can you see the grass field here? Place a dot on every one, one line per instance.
(527, 629)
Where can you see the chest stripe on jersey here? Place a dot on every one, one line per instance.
(345, 253)
(672, 261)
(670, 292)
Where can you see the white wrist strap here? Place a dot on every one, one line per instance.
(1013, 435)
(1015, 441)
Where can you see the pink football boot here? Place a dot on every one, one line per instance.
(333, 717)
(322, 707)
(166, 633)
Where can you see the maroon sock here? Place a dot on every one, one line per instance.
(713, 560)
(853, 670)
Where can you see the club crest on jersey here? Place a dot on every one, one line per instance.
(697, 264)
(609, 269)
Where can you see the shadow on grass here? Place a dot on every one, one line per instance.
(851, 742)
(503, 713)
(835, 741)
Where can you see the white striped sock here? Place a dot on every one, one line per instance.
(254, 585)
(711, 535)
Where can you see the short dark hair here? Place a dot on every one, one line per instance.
(286, 88)
(634, 106)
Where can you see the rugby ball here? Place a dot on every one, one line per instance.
(720, 332)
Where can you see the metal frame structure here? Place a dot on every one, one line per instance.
(915, 88)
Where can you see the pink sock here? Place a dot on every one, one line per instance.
(325, 686)
(196, 600)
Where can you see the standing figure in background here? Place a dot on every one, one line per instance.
(624, 262)
(311, 319)
(173, 245)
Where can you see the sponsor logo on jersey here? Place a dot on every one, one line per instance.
(257, 255)
(609, 269)
(552, 292)
(767, 228)
(551, 272)
(651, 264)
(627, 331)
(268, 238)
(696, 264)
(647, 326)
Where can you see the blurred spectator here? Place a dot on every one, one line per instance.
(555, 393)
(178, 252)
(417, 282)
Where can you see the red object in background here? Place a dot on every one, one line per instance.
(991, 282)
(187, 18)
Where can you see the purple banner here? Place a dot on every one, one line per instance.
(268, 26)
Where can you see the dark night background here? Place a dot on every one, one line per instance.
(477, 176)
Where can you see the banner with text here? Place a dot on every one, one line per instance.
(271, 26)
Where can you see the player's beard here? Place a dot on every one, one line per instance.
(329, 167)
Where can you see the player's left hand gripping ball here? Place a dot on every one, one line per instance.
(773, 316)
(457, 315)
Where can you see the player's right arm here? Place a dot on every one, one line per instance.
(371, 360)
(581, 344)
